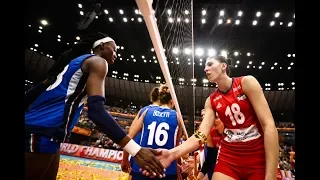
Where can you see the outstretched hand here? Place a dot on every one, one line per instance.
(187, 165)
(146, 159)
(164, 156)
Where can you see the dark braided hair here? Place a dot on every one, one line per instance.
(78, 49)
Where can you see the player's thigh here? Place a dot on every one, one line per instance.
(258, 174)
(52, 171)
(221, 176)
(225, 171)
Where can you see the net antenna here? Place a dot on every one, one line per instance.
(145, 7)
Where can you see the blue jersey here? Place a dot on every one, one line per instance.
(160, 129)
(55, 112)
(137, 139)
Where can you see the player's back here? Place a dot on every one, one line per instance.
(160, 129)
(137, 138)
(55, 112)
(243, 135)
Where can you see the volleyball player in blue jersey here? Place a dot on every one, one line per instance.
(53, 108)
(155, 101)
(160, 128)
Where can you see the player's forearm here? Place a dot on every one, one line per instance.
(132, 133)
(271, 144)
(186, 147)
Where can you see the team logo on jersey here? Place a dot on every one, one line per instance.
(219, 106)
(241, 97)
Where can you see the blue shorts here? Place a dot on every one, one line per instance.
(40, 144)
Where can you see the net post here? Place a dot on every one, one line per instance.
(145, 7)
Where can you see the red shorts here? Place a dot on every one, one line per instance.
(239, 172)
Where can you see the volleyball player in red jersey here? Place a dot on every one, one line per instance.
(242, 107)
(249, 148)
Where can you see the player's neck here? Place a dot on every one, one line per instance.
(224, 83)
(156, 103)
(165, 105)
(98, 53)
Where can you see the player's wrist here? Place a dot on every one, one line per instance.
(132, 147)
(173, 154)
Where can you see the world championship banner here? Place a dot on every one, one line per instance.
(101, 154)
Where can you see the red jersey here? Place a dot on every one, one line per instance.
(242, 142)
(216, 137)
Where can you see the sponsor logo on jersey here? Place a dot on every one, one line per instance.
(241, 97)
(242, 135)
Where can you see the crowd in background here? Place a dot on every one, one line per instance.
(287, 160)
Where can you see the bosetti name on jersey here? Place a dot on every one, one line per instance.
(161, 114)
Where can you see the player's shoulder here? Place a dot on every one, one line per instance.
(213, 94)
(148, 107)
(94, 63)
(174, 112)
(96, 60)
(246, 79)
(151, 107)
(86, 58)
(167, 109)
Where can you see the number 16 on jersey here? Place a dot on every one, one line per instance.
(158, 131)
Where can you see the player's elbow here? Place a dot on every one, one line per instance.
(269, 127)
